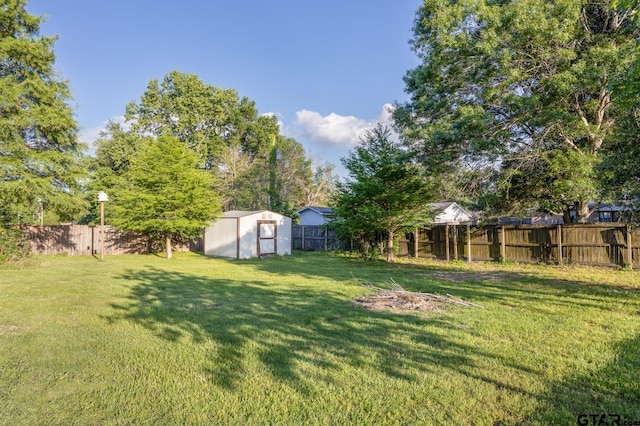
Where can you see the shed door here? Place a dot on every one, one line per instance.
(267, 237)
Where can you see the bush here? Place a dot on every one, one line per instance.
(13, 245)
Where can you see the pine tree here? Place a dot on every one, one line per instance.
(386, 192)
(39, 151)
(163, 194)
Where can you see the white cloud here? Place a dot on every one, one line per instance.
(91, 135)
(344, 131)
(278, 117)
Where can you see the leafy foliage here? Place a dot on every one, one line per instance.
(324, 183)
(386, 191)
(163, 195)
(254, 166)
(622, 165)
(13, 245)
(39, 151)
(515, 88)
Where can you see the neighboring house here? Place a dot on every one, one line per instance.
(311, 215)
(534, 218)
(449, 213)
(602, 213)
(248, 234)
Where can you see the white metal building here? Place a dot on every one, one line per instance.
(248, 234)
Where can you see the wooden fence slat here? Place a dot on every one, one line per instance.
(312, 237)
(602, 244)
(596, 244)
(76, 240)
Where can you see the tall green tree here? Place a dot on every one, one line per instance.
(521, 90)
(627, 86)
(386, 190)
(205, 117)
(39, 150)
(163, 194)
(291, 174)
(621, 166)
(255, 167)
(115, 150)
(324, 183)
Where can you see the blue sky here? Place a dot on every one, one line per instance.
(326, 69)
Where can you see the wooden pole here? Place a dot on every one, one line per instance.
(455, 242)
(325, 240)
(503, 245)
(559, 238)
(302, 230)
(629, 249)
(468, 243)
(446, 242)
(415, 242)
(101, 230)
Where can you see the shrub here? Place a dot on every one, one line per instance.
(13, 245)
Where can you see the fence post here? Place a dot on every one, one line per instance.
(415, 242)
(559, 238)
(302, 230)
(468, 242)
(503, 245)
(325, 239)
(455, 242)
(446, 242)
(629, 249)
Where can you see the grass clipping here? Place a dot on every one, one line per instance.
(397, 299)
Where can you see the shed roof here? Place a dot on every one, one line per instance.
(242, 213)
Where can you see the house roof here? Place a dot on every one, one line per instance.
(321, 210)
(444, 205)
(607, 207)
(441, 206)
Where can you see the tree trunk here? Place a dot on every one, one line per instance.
(390, 255)
(364, 247)
(582, 211)
(169, 253)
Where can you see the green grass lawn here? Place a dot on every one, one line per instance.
(142, 340)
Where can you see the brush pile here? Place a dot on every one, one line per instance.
(395, 298)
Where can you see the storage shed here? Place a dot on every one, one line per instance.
(247, 234)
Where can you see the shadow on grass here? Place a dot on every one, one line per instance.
(299, 335)
(507, 288)
(611, 391)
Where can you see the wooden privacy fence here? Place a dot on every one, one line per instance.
(592, 244)
(597, 244)
(314, 237)
(77, 240)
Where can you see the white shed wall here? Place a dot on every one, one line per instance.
(249, 236)
(284, 236)
(220, 239)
